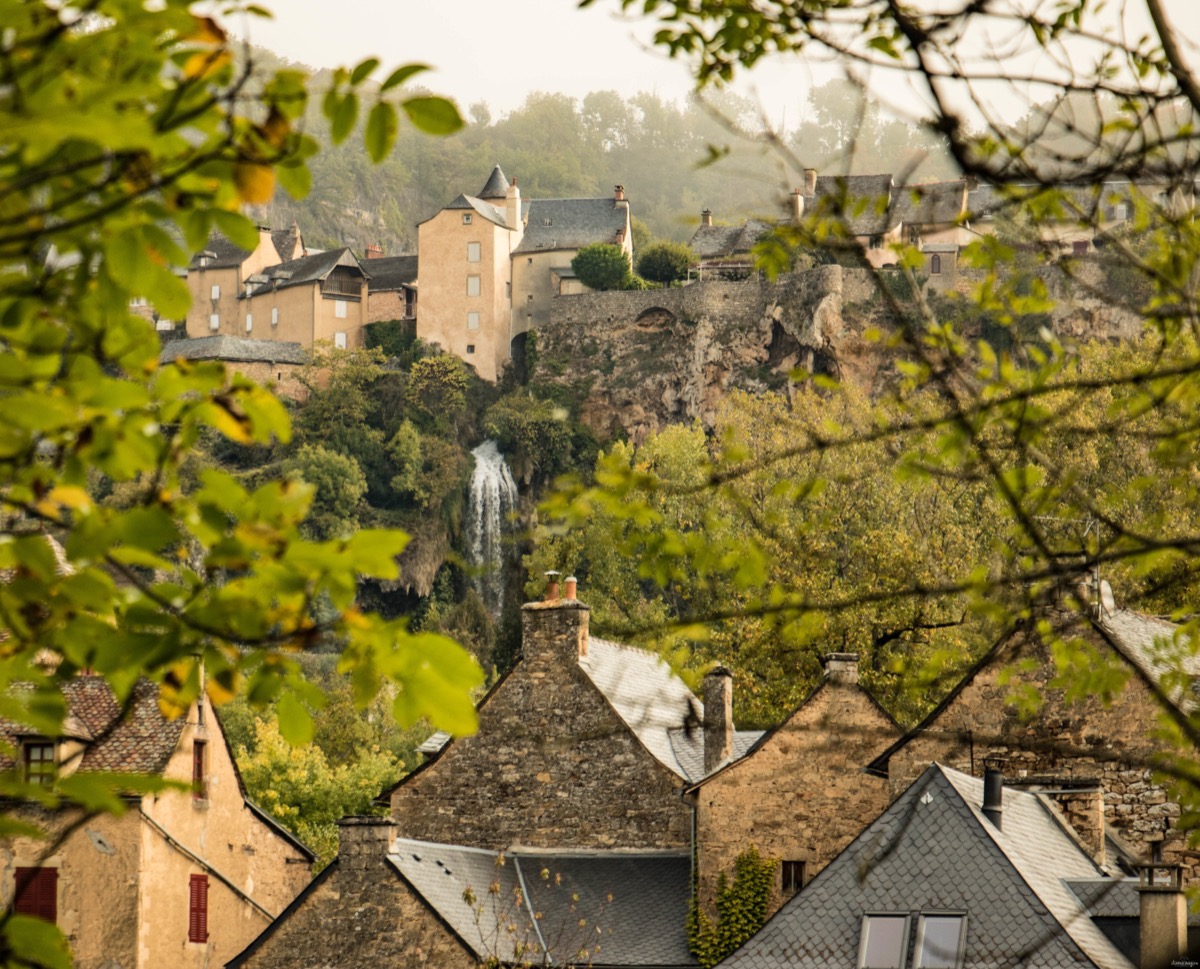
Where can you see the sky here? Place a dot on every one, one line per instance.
(499, 52)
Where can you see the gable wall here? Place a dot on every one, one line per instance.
(802, 796)
(1083, 739)
(551, 766)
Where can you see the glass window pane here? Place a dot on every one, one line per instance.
(883, 942)
(940, 939)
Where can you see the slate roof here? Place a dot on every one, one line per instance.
(573, 224)
(390, 273)
(482, 208)
(688, 747)
(496, 187)
(139, 742)
(932, 203)
(286, 240)
(222, 253)
(306, 269)
(862, 201)
(717, 241)
(233, 349)
(635, 903)
(934, 851)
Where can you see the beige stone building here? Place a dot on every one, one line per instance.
(273, 363)
(492, 262)
(184, 878)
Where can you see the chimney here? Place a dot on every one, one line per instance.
(571, 583)
(718, 718)
(619, 196)
(993, 795)
(1082, 802)
(797, 206)
(554, 632)
(706, 217)
(810, 182)
(512, 212)
(1162, 915)
(374, 251)
(363, 842)
(552, 585)
(841, 668)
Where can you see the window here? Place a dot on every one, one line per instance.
(216, 292)
(339, 340)
(472, 285)
(884, 942)
(1121, 210)
(339, 308)
(472, 321)
(274, 315)
(531, 260)
(940, 941)
(1079, 248)
(470, 348)
(214, 321)
(876, 242)
(198, 908)
(529, 298)
(249, 322)
(39, 763)
(792, 876)
(37, 893)
(466, 218)
(935, 264)
(472, 252)
(138, 301)
(199, 770)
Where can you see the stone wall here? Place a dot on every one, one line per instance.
(802, 795)
(359, 914)
(552, 764)
(1074, 741)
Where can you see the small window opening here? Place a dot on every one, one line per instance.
(39, 763)
(935, 264)
(466, 218)
(470, 348)
(792, 875)
(199, 770)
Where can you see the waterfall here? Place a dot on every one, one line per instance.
(492, 500)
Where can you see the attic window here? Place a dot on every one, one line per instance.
(791, 876)
(547, 222)
(466, 218)
(884, 942)
(199, 770)
(39, 762)
(940, 941)
(876, 242)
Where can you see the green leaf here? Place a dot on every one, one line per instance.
(295, 722)
(402, 74)
(375, 551)
(434, 116)
(363, 71)
(344, 118)
(39, 942)
(382, 126)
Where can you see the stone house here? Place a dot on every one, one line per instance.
(183, 877)
(268, 362)
(392, 294)
(492, 263)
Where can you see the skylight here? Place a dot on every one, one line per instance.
(884, 942)
(940, 941)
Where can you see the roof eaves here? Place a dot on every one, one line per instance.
(239, 960)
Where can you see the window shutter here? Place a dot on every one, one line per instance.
(37, 893)
(198, 909)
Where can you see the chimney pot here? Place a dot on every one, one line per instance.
(718, 718)
(1162, 915)
(993, 795)
(841, 667)
(570, 584)
(706, 217)
(552, 585)
(810, 182)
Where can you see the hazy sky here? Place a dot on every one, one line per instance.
(498, 52)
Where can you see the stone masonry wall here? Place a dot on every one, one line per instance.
(362, 915)
(1083, 740)
(551, 765)
(802, 796)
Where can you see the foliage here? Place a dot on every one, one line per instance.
(437, 390)
(664, 262)
(306, 793)
(601, 266)
(533, 434)
(126, 137)
(394, 338)
(741, 909)
(338, 486)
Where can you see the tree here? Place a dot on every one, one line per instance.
(664, 262)
(601, 266)
(127, 135)
(338, 486)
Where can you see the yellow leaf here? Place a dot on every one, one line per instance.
(255, 183)
(207, 31)
(69, 496)
(204, 64)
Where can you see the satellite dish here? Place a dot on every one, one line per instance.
(1107, 602)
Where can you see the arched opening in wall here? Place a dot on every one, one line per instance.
(520, 360)
(655, 318)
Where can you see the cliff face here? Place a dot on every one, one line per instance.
(637, 361)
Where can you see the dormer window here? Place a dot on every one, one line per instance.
(466, 218)
(39, 762)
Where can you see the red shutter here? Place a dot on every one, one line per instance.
(198, 909)
(37, 893)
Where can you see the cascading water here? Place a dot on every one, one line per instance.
(493, 499)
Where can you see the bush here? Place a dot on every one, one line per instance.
(664, 262)
(602, 266)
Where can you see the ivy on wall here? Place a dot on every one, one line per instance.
(741, 909)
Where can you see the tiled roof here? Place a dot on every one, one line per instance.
(286, 241)
(862, 201)
(140, 742)
(933, 851)
(688, 747)
(484, 209)
(571, 224)
(390, 273)
(716, 241)
(222, 253)
(634, 903)
(234, 349)
(496, 187)
(933, 203)
(306, 269)
(646, 694)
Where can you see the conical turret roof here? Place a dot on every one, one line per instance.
(496, 187)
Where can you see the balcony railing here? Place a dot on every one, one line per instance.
(341, 287)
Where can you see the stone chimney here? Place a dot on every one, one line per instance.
(1162, 915)
(797, 206)
(512, 212)
(706, 217)
(554, 630)
(993, 795)
(810, 182)
(841, 668)
(363, 842)
(718, 718)
(619, 196)
(1082, 802)
(374, 251)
